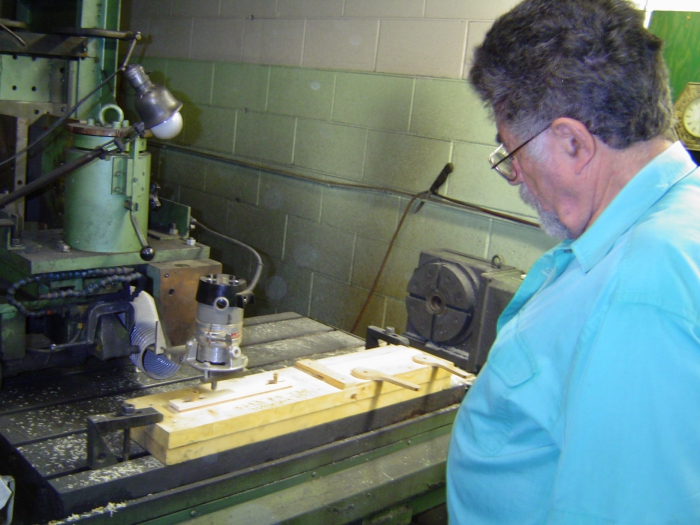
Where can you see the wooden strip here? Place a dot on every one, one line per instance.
(324, 373)
(207, 398)
(425, 359)
(375, 375)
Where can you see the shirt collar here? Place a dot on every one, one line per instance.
(638, 195)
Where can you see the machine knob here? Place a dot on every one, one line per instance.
(147, 253)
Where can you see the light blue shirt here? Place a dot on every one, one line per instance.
(588, 408)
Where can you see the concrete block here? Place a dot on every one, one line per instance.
(518, 245)
(319, 247)
(475, 182)
(477, 33)
(261, 229)
(286, 287)
(375, 315)
(468, 9)
(272, 41)
(432, 48)
(338, 304)
(309, 8)
(156, 68)
(137, 24)
(169, 37)
(191, 125)
(330, 148)
(200, 8)
(235, 259)
(446, 8)
(240, 86)
(234, 182)
(395, 315)
(264, 136)
(374, 101)
(371, 215)
(369, 254)
(404, 161)
(210, 128)
(437, 227)
(152, 8)
(191, 80)
(450, 109)
(249, 8)
(180, 168)
(169, 191)
(296, 197)
(341, 44)
(384, 8)
(301, 92)
(211, 210)
(218, 39)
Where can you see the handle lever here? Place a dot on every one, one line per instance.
(375, 375)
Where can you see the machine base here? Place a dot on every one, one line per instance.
(43, 443)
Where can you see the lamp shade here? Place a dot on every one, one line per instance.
(154, 102)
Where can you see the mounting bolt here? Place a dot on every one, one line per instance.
(126, 409)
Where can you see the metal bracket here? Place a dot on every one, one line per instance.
(39, 44)
(120, 175)
(171, 213)
(127, 417)
(101, 309)
(388, 334)
(14, 226)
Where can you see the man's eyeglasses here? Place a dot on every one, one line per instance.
(502, 161)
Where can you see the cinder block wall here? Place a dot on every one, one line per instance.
(355, 91)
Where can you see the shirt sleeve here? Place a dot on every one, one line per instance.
(631, 444)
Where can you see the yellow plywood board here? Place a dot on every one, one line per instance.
(287, 426)
(261, 406)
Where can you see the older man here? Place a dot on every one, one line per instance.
(588, 409)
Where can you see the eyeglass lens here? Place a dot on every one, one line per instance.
(501, 162)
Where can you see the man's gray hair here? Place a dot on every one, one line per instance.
(591, 60)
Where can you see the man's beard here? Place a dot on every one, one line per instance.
(549, 222)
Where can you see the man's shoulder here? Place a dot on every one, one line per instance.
(660, 263)
(671, 226)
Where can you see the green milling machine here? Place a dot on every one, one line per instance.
(74, 257)
(106, 294)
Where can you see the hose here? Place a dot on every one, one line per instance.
(259, 268)
(110, 276)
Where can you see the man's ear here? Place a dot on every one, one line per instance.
(576, 141)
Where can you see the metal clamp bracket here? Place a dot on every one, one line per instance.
(388, 334)
(127, 417)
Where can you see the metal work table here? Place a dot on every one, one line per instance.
(388, 463)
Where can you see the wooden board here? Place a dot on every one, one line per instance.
(253, 435)
(261, 406)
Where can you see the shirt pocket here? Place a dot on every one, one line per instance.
(493, 404)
